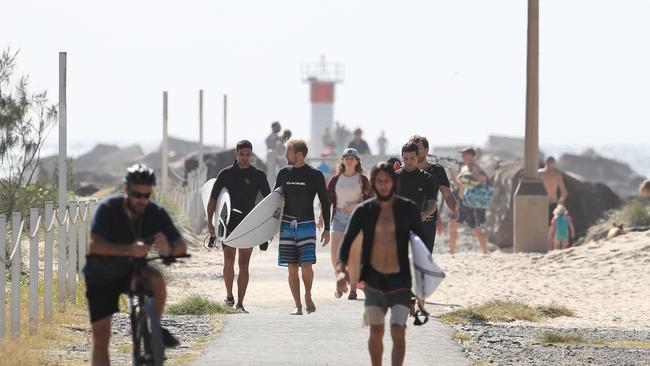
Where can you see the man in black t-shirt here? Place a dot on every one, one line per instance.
(300, 184)
(244, 182)
(126, 226)
(439, 175)
(418, 186)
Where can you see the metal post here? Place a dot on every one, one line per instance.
(532, 92)
(63, 118)
(225, 121)
(3, 255)
(16, 265)
(530, 223)
(200, 167)
(33, 269)
(47, 266)
(165, 147)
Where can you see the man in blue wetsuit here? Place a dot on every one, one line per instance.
(300, 184)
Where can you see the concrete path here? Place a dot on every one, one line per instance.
(333, 335)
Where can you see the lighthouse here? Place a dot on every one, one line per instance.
(322, 78)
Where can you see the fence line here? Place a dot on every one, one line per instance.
(73, 226)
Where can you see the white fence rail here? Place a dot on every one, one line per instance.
(73, 226)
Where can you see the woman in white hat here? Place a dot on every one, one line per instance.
(346, 190)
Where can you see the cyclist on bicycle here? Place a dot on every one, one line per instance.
(123, 227)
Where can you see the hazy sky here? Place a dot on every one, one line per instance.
(451, 70)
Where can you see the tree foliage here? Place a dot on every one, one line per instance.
(26, 118)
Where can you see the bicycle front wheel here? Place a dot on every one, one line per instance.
(148, 348)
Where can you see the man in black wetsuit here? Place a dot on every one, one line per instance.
(420, 187)
(386, 221)
(300, 184)
(243, 182)
(442, 182)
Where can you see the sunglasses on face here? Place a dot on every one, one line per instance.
(137, 194)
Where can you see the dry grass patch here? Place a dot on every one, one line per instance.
(505, 311)
(555, 311)
(631, 344)
(567, 338)
(573, 338)
(461, 336)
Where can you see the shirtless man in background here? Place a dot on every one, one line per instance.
(553, 181)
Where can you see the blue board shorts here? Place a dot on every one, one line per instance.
(297, 242)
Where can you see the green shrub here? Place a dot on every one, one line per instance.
(196, 304)
(635, 213)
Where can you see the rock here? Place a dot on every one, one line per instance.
(586, 202)
(594, 168)
(86, 190)
(217, 161)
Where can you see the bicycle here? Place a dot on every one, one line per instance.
(148, 346)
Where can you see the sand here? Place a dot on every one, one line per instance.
(607, 283)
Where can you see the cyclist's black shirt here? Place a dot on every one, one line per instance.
(300, 186)
(243, 186)
(111, 223)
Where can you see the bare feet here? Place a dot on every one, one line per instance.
(297, 311)
(311, 307)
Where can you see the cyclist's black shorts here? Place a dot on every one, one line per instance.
(103, 300)
(106, 279)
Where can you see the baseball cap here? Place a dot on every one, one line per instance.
(350, 152)
(469, 150)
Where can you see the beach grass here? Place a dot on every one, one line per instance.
(196, 304)
(461, 336)
(505, 311)
(567, 338)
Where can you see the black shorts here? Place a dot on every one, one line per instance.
(473, 217)
(235, 219)
(103, 300)
(551, 207)
(106, 279)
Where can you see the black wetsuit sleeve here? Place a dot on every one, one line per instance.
(279, 179)
(263, 184)
(218, 185)
(353, 229)
(321, 190)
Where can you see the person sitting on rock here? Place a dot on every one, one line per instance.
(562, 228)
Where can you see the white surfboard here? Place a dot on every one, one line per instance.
(427, 275)
(221, 215)
(260, 225)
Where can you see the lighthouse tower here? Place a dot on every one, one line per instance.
(322, 78)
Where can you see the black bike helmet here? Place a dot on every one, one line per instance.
(140, 174)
